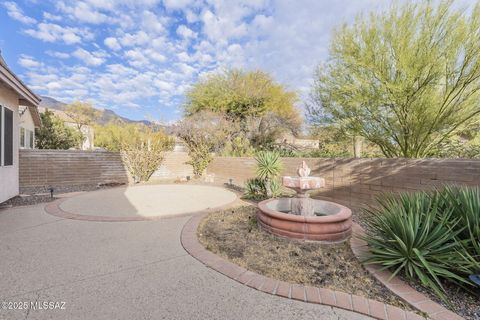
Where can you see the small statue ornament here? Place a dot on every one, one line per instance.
(304, 170)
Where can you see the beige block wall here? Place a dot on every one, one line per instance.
(40, 169)
(9, 174)
(357, 182)
(173, 167)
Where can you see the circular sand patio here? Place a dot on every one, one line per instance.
(143, 202)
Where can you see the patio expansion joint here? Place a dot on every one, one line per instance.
(191, 244)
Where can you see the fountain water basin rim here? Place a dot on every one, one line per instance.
(334, 212)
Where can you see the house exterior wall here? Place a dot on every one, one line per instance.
(9, 184)
(26, 122)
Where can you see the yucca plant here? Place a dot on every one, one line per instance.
(414, 234)
(465, 205)
(269, 167)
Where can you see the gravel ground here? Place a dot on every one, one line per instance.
(235, 235)
(39, 195)
(26, 200)
(462, 302)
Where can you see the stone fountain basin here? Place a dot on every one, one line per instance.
(335, 225)
(303, 183)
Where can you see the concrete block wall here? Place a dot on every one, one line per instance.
(173, 167)
(357, 182)
(40, 169)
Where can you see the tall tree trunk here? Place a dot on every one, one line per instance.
(357, 146)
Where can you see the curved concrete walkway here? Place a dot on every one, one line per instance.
(124, 270)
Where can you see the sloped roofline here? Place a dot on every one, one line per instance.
(26, 96)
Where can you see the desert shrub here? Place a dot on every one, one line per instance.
(142, 147)
(419, 235)
(203, 133)
(266, 184)
(255, 189)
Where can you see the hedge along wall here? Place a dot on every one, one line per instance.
(61, 169)
(356, 182)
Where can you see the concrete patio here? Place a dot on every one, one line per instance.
(123, 270)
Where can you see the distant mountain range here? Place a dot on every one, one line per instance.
(107, 115)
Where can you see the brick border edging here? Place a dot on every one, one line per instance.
(53, 208)
(338, 299)
(405, 292)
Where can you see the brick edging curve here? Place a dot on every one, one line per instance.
(310, 294)
(400, 288)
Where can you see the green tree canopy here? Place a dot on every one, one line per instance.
(55, 135)
(262, 107)
(406, 79)
(240, 94)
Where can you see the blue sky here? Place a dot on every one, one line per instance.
(138, 57)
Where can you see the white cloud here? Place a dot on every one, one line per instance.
(185, 32)
(151, 22)
(112, 43)
(16, 13)
(136, 58)
(89, 58)
(28, 62)
(50, 32)
(163, 85)
(186, 69)
(176, 4)
(52, 17)
(57, 54)
(158, 57)
(262, 22)
(160, 52)
(134, 39)
(222, 28)
(82, 11)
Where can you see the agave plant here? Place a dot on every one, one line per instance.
(269, 167)
(416, 235)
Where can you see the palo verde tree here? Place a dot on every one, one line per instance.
(261, 107)
(82, 114)
(407, 79)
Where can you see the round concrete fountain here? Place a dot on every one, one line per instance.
(304, 218)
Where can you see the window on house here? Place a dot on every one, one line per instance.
(22, 137)
(27, 139)
(8, 137)
(30, 135)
